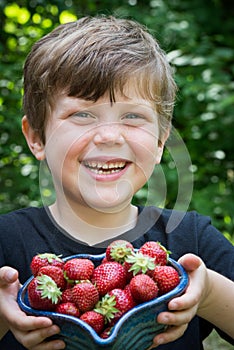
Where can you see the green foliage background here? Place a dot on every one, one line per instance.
(198, 38)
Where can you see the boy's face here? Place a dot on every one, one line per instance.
(100, 154)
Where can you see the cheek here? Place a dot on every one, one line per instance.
(63, 150)
(145, 145)
(67, 141)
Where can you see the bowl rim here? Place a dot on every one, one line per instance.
(178, 290)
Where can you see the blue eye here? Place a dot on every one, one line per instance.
(81, 115)
(83, 118)
(133, 116)
(134, 119)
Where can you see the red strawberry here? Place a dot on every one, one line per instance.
(155, 250)
(118, 250)
(78, 269)
(124, 301)
(68, 308)
(94, 319)
(109, 276)
(43, 293)
(166, 277)
(138, 263)
(127, 288)
(45, 259)
(143, 288)
(104, 260)
(56, 273)
(85, 296)
(106, 333)
(67, 295)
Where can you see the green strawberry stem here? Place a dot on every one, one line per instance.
(50, 257)
(48, 288)
(140, 263)
(106, 307)
(119, 251)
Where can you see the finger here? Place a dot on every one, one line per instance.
(188, 300)
(7, 275)
(190, 262)
(36, 339)
(25, 323)
(176, 318)
(171, 334)
(52, 345)
(17, 319)
(193, 292)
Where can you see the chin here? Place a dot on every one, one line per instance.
(110, 207)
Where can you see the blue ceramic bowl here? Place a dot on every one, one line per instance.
(135, 330)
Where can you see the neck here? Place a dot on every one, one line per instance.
(92, 226)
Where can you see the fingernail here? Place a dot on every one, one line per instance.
(9, 275)
(53, 330)
(173, 305)
(59, 345)
(165, 319)
(159, 341)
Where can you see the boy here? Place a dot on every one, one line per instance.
(98, 100)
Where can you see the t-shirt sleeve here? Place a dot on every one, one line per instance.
(215, 250)
(217, 253)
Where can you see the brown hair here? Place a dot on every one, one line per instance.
(93, 56)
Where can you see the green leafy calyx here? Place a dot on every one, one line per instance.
(140, 263)
(48, 288)
(50, 257)
(106, 307)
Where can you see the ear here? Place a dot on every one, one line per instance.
(34, 142)
(159, 153)
(161, 144)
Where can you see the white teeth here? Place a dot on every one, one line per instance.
(107, 172)
(105, 168)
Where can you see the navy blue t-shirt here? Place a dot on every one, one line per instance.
(27, 232)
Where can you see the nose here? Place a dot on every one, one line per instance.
(109, 134)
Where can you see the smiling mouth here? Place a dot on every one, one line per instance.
(105, 168)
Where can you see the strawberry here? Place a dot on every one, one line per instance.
(106, 333)
(155, 250)
(109, 276)
(143, 288)
(45, 259)
(138, 263)
(124, 301)
(104, 260)
(43, 293)
(67, 295)
(85, 295)
(56, 273)
(100, 295)
(78, 269)
(166, 277)
(118, 250)
(94, 319)
(68, 308)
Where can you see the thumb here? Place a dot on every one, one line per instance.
(190, 262)
(8, 275)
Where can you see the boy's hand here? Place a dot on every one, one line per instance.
(184, 307)
(30, 331)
